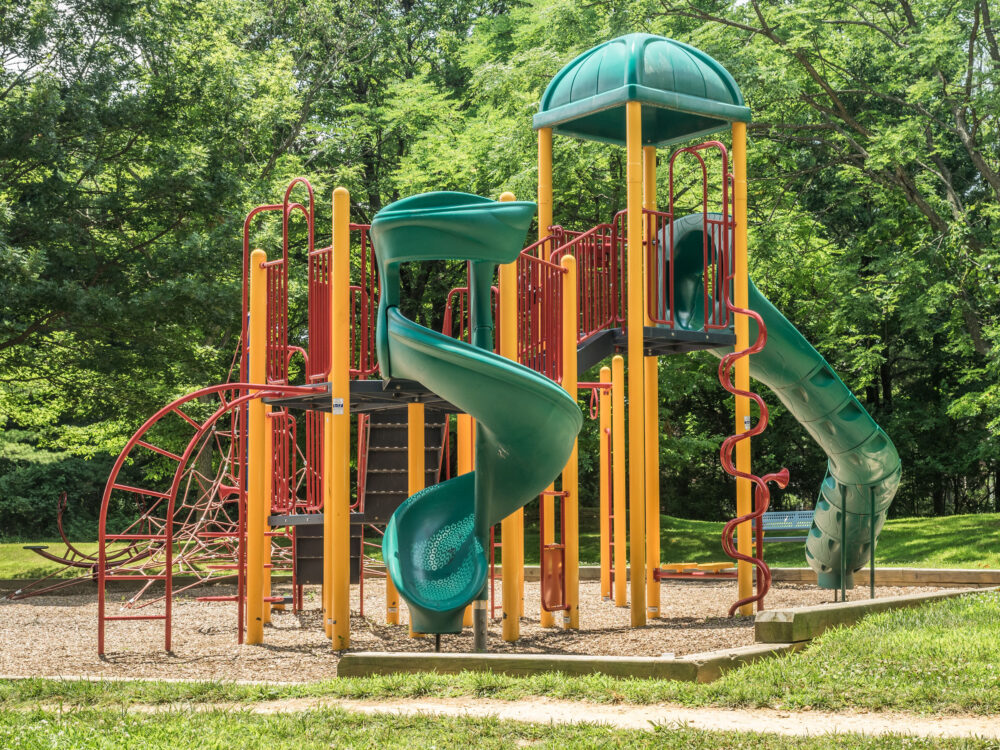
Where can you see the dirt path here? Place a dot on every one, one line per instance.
(543, 711)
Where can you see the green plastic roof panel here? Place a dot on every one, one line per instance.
(684, 92)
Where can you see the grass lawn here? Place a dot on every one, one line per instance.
(969, 541)
(941, 658)
(945, 542)
(17, 562)
(326, 728)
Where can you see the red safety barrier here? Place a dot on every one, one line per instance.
(196, 520)
(716, 250)
(319, 315)
(364, 291)
(539, 311)
(314, 462)
(283, 462)
(597, 276)
(364, 306)
(456, 315)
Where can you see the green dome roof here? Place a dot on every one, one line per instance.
(684, 92)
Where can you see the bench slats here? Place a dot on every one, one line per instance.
(786, 520)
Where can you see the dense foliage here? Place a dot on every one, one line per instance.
(134, 137)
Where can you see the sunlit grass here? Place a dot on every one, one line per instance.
(940, 658)
(907, 542)
(326, 728)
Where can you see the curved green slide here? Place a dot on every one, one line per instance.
(435, 543)
(863, 469)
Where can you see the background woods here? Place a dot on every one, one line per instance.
(134, 137)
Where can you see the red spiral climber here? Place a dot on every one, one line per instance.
(762, 495)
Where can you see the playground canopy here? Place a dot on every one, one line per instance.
(684, 91)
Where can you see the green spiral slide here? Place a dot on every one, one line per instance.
(863, 469)
(435, 543)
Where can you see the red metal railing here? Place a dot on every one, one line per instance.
(364, 305)
(716, 250)
(539, 311)
(170, 540)
(456, 315)
(660, 252)
(277, 320)
(598, 276)
(277, 281)
(319, 314)
(314, 462)
(283, 462)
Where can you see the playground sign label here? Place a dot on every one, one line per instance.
(338, 406)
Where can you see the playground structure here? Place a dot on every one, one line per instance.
(262, 485)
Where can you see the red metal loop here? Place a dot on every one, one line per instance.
(762, 494)
(595, 390)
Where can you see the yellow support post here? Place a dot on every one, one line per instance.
(391, 602)
(544, 184)
(741, 282)
(415, 477)
(465, 435)
(652, 448)
(546, 507)
(519, 513)
(618, 474)
(257, 463)
(604, 425)
(328, 549)
(268, 495)
(570, 475)
(466, 443)
(509, 537)
(652, 398)
(636, 378)
(337, 503)
(519, 557)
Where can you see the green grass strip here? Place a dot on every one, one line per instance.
(325, 728)
(904, 542)
(940, 658)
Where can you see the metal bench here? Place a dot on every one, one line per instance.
(787, 521)
(775, 520)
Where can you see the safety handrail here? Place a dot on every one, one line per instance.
(597, 278)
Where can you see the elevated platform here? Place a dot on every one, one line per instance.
(656, 341)
(370, 396)
(378, 395)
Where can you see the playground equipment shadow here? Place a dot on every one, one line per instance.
(908, 542)
(55, 635)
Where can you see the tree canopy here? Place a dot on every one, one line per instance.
(134, 137)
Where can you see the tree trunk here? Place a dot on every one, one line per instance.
(996, 490)
(937, 495)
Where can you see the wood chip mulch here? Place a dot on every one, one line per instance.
(57, 635)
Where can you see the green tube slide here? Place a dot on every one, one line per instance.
(435, 543)
(863, 469)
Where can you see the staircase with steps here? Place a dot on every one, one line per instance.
(386, 480)
(384, 488)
